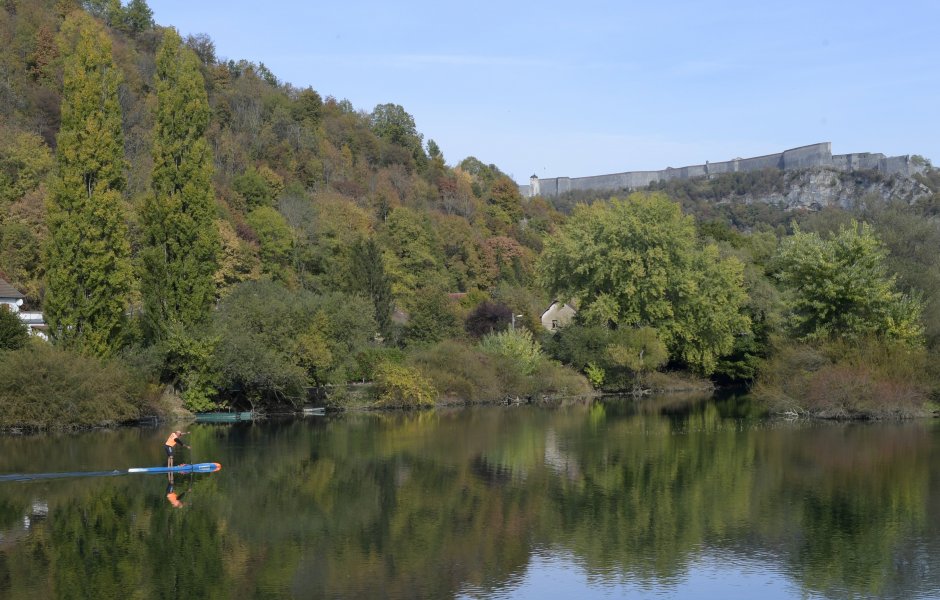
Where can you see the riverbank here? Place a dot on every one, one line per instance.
(864, 380)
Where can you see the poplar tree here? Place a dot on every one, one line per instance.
(89, 277)
(181, 243)
(369, 278)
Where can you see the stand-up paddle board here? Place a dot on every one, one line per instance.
(196, 468)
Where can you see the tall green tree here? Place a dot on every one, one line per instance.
(841, 287)
(181, 242)
(412, 260)
(636, 263)
(369, 279)
(89, 276)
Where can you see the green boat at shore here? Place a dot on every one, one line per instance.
(225, 417)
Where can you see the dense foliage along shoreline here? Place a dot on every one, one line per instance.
(192, 223)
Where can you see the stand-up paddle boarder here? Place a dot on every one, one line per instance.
(171, 442)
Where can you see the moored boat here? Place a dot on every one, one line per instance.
(224, 417)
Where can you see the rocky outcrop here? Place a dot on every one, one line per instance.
(817, 188)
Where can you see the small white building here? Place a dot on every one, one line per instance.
(10, 296)
(557, 316)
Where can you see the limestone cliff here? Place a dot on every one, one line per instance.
(817, 188)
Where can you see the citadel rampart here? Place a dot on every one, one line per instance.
(804, 157)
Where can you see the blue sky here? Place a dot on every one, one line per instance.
(586, 88)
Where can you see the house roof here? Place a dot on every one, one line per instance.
(559, 307)
(8, 291)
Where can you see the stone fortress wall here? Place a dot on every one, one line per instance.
(804, 157)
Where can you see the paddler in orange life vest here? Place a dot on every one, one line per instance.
(171, 442)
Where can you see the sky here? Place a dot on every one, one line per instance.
(589, 88)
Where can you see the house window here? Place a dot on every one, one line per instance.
(554, 323)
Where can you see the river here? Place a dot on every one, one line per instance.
(670, 498)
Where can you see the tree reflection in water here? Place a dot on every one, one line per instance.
(433, 504)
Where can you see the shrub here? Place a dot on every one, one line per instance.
(551, 378)
(595, 375)
(370, 357)
(467, 373)
(13, 332)
(459, 372)
(516, 345)
(867, 378)
(616, 359)
(400, 386)
(43, 387)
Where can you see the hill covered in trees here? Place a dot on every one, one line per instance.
(194, 221)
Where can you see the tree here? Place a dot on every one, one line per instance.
(101, 9)
(256, 189)
(482, 175)
(256, 324)
(181, 242)
(411, 256)
(203, 46)
(308, 106)
(841, 287)
(13, 332)
(274, 342)
(267, 75)
(504, 202)
(137, 17)
(133, 18)
(636, 263)
(89, 277)
(369, 278)
(392, 123)
(432, 318)
(488, 317)
(25, 162)
(276, 240)
(326, 231)
(41, 61)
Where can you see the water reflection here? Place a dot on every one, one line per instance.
(174, 497)
(662, 497)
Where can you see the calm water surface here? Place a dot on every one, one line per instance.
(610, 499)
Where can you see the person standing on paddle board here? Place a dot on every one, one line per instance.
(171, 442)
